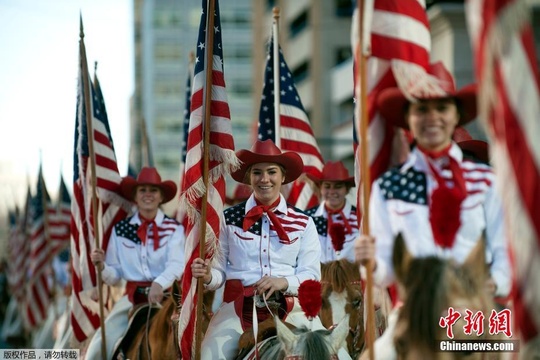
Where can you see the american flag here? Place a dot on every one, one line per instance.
(38, 292)
(509, 102)
(85, 310)
(400, 48)
(222, 161)
(18, 251)
(60, 221)
(292, 131)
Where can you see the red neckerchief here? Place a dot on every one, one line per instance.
(340, 212)
(143, 229)
(445, 206)
(257, 212)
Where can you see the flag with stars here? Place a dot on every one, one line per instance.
(292, 130)
(38, 291)
(221, 161)
(509, 101)
(112, 207)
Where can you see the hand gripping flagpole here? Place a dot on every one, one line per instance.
(362, 52)
(206, 154)
(277, 90)
(93, 184)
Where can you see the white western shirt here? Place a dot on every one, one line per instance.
(320, 217)
(399, 204)
(127, 258)
(250, 255)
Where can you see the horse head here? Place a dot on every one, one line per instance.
(342, 295)
(318, 344)
(430, 287)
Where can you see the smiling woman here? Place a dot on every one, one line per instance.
(268, 251)
(38, 71)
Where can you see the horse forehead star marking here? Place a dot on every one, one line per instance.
(338, 301)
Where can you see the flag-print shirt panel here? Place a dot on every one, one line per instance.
(250, 255)
(399, 204)
(320, 217)
(127, 258)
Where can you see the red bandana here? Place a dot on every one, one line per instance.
(143, 230)
(257, 212)
(343, 217)
(445, 207)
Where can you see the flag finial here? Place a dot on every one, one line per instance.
(275, 11)
(81, 32)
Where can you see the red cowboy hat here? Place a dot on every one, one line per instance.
(241, 192)
(267, 152)
(391, 102)
(476, 148)
(333, 171)
(147, 176)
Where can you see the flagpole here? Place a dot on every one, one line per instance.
(361, 54)
(209, 62)
(277, 90)
(93, 183)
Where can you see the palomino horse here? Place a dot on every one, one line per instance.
(158, 340)
(342, 295)
(301, 343)
(430, 287)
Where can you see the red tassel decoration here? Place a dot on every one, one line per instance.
(310, 298)
(337, 235)
(444, 215)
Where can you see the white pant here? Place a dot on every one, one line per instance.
(225, 329)
(115, 327)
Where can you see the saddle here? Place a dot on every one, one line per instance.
(138, 317)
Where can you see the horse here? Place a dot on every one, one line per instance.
(158, 339)
(341, 286)
(430, 287)
(300, 343)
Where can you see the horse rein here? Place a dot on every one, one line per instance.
(257, 303)
(147, 330)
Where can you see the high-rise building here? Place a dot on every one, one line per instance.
(165, 34)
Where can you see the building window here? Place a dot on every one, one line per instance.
(298, 24)
(345, 112)
(270, 3)
(343, 54)
(344, 8)
(301, 72)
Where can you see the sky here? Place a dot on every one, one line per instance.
(39, 46)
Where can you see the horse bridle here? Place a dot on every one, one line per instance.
(354, 331)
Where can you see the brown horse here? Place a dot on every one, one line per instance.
(159, 339)
(342, 295)
(429, 287)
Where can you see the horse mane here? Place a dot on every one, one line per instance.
(431, 286)
(426, 289)
(314, 345)
(338, 275)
